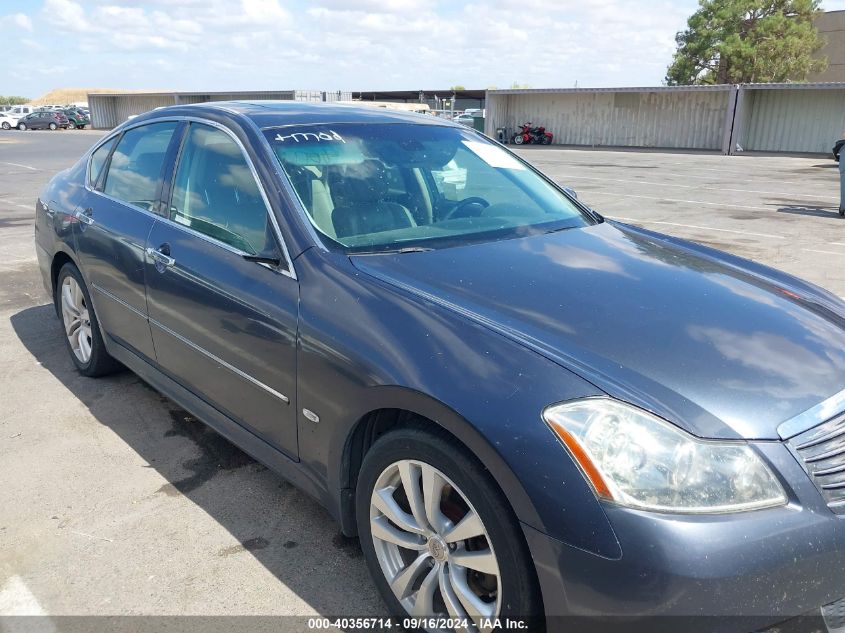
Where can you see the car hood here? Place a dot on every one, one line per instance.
(719, 346)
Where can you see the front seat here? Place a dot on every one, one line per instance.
(359, 192)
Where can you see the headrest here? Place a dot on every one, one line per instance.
(359, 183)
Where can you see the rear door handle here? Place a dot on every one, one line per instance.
(86, 216)
(159, 256)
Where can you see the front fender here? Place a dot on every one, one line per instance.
(365, 345)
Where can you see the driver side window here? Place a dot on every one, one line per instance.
(216, 194)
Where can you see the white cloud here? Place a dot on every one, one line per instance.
(22, 21)
(364, 44)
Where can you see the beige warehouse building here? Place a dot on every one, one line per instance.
(832, 27)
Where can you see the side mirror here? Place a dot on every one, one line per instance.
(570, 192)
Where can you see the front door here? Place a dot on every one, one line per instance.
(223, 313)
(111, 229)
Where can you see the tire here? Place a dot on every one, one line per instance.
(71, 125)
(436, 572)
(547, 140)
(518, 139)
(6, 125)
(53, 127)
(85, 341)
(842, 212)
(22, 127)
(81, 127)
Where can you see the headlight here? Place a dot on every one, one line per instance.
(638, 460)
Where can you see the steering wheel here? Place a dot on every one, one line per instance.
(465, 203)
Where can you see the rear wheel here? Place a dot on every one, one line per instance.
(6, 125)
(518, 139)
(71, 125)
(53, 126)
(439, 539)
(82, 330)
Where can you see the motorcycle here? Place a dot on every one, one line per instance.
(523, 136)
(529, 134)
(540, 136)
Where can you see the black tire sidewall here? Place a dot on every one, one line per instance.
(520, 593)
(100, 362)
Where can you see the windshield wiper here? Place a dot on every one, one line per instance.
(413, 249)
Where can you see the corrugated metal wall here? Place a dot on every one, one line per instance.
(791, 120)
(108, 111)
(669, 119)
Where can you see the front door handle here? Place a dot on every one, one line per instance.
(85, 216)
(161, 256)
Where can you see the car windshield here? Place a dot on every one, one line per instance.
(391, 186)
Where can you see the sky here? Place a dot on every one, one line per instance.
(218, 45)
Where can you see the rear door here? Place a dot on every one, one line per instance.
(224, 324)
(112, 225)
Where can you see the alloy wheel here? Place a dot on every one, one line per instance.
(432, 545)
(76, 319)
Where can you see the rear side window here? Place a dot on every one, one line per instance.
(98, 159)
(216, 194)
(136, 163)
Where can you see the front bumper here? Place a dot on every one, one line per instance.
(732, 572)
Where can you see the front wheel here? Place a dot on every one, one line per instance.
(53, 127)
(71, 125)
(6, 125)
(82, 330)
(438, 536)
(22, 127)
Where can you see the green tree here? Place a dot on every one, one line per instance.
(12, 100)
(747, 41)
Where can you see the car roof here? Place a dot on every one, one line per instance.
(278, 113)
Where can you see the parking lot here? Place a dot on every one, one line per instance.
(115, 501)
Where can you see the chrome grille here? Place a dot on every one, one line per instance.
(822, 449)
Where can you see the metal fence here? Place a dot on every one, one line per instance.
(791, 118)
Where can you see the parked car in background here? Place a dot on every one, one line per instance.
(8, 121)
(521, 408)
(76, 118)
(43, 120)
(465, 119)
(22, 110)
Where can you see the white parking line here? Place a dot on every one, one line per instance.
(695, 226)
(616, 194)
(30, 167)
(812, 250)
(701, 187)
(17, 599)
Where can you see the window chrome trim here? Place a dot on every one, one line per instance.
(289, 272)
(220, 361)
(813, 416)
